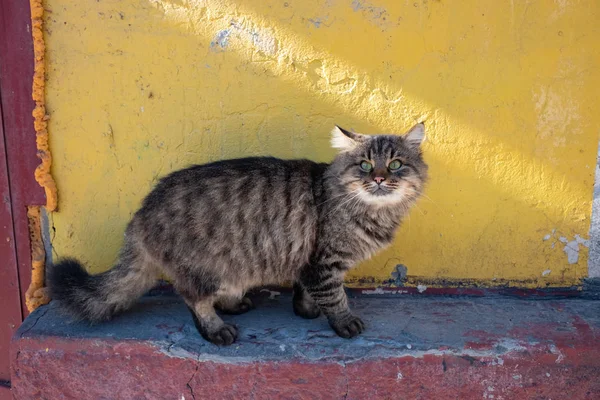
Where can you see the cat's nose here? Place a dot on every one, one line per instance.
(379, 179)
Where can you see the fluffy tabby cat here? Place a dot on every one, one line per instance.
(220, 229)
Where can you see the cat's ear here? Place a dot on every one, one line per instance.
(345, 140)
(415, 135)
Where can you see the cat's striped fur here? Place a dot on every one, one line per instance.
(219, 229)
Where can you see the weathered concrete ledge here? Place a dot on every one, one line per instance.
(415, 348)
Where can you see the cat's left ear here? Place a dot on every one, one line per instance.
(416, 135)
(345, 140)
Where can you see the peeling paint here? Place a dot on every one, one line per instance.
(563, 239)
(373, 291)
(546, 272)
(316, 22)
(221, 39)
(400, 274)
(260, 39)
(421, 288)
(374, 14)
(497, 361)
(571, 248)
(379, 291)
(560, 356)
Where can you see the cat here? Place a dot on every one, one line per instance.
(219, 229)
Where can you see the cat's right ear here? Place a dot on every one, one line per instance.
(345, 140)
(416, 135)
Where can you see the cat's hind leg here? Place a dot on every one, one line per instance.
(208, 323)
(234, 305)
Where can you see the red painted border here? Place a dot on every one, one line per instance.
(18, 161)
(10, 312)
(16, 75)
(467, 291)
(5, 393)
(135, 369)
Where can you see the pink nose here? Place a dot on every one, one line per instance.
(379, 179)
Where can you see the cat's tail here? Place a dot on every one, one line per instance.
(98, 297)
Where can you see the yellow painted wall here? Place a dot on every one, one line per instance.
(508, 89)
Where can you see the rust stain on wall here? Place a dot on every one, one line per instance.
(42, 172)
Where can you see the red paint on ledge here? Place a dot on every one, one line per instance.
(59, 368)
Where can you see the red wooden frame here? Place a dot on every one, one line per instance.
(10, 312)
(17, 165)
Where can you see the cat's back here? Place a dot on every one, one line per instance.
(259, 211)
(238, 178)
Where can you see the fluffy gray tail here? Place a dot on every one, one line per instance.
(98, 297)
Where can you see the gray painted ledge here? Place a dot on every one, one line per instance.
(408, 326)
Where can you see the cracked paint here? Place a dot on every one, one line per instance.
(221, 39)
(571, 247)
(400, 274)
(380, 291)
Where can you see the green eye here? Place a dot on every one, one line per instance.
(394, 165)
(366, 166)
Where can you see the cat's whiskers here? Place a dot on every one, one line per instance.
(421, 194)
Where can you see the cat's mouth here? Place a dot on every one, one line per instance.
(382, 194)
(380, 191)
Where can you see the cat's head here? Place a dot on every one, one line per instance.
(380, 169)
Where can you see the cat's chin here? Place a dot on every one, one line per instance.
(382, 198)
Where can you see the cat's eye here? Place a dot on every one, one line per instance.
(395, 165)
(366, 166)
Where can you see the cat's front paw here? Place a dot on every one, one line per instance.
(348, 327)
(224, 336)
